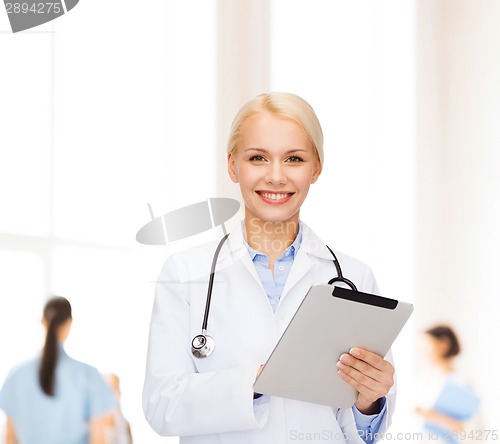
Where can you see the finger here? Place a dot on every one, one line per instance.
(385, 376)
(371, 358)
(354, 374)
(380, 384)
(374, 360)
(365, 390)
(365, 368)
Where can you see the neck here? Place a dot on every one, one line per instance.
(270, 238)
(445, 365)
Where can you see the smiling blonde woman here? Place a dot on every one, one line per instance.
(270, 259)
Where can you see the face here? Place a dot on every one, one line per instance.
(431, 348)
(274, 163)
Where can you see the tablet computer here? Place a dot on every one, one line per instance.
(329, 322)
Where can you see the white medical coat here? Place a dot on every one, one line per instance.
(210, 400)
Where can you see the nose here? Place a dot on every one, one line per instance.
(275, 173)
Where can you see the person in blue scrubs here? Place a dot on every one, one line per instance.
(54, 399)
(452, 406)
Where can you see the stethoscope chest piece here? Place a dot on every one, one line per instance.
(202, 346)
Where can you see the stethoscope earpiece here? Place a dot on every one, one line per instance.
(202, 346)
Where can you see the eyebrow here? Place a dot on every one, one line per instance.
(263, 150)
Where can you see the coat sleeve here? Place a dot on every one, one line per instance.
(177, 400)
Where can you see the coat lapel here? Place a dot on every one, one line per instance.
(300, 273)
(301, 267)
(311, 246)
(236, 252)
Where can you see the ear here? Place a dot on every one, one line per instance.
(231, 168)
(317, 171)
(444, 347)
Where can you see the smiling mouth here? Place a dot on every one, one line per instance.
(275, 197)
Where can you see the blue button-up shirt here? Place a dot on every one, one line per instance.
(274, 283)
(368, 425)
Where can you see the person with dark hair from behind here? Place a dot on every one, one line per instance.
(456, 404)
(54, 399)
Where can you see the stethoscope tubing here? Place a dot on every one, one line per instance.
(340, 277)
(204, 343)
(211, 282)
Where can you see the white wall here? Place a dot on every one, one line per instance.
(97, 114)
(458, 208)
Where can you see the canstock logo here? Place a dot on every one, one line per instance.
(26, 14)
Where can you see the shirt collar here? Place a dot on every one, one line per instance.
(310, 244)
(60, 349)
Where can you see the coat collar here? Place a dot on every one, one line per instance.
(311, 246)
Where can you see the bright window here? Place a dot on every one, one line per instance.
(103, 111)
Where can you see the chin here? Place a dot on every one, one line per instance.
(274, 217)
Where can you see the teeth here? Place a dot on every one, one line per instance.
(274, 196)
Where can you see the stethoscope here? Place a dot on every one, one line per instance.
(203, 345)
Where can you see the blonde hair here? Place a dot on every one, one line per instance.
(281, 104)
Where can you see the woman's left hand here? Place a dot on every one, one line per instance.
(370, 374)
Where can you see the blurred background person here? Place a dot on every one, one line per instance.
(54, 399)
(446, 403)
(118, 428)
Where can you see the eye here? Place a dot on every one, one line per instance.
(295, 159)
(256, 158)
